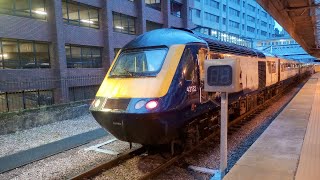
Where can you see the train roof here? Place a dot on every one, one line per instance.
(163, 37)
(229, 48)
(171, 36)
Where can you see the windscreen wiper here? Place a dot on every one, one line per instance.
(128, 72)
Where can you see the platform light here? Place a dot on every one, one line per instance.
(86, 21)
(40, 12)
(152, 104)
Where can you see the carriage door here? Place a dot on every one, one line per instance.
(262, 74)
(190, 74)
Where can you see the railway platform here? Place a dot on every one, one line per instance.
(290, 146)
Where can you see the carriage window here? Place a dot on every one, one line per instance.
(282, 67)
(273, 67)
(202, 55)
(188, 68)
(145, 62)
(269, 66)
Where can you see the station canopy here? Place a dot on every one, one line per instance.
(300, 18)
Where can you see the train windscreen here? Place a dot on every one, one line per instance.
(139, 63)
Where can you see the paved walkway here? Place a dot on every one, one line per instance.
(281, 153)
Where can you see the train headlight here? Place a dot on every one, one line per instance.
(152, 104)
(96, 103)
(140, 104)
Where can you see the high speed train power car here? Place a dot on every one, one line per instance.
(154, 88)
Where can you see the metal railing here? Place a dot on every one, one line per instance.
(36, 93)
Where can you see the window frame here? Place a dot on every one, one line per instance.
(34, 52)
(149, 74)
(14, 11)
(126, 18)
(82, 59)
(176, 14)
(153, 6)
(79, 22)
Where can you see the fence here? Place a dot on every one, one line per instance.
(35, 93)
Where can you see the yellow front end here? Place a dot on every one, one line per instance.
(143, 87)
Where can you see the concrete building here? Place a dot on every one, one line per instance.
(56, 51)
(240, 18)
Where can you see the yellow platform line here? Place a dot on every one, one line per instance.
(309, 163)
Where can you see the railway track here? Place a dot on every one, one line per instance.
(234, 125)
(108, 165)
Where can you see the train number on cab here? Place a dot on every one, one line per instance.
(191, 89)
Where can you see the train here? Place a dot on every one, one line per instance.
(154, 88)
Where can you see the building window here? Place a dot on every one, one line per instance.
(235, 1)
(155, 4)
(83, 56)
(250, 29)
(176, 9)
(264, 24)
(82, 92)
(251, 19)
(234, 12)
(152, 26)
(211, 17)
(264, 14)
(197, 12)
(78, 14)
(224, 8)
(14, 101)
(212, 3)
(224, 21)
(21, 54)
(123, 23)
(251, 8)
(27, 8)
(234, 24)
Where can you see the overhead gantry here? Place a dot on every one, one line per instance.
(300, 18)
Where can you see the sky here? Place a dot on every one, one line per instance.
(277, 26)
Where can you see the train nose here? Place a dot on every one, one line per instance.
(138, 128)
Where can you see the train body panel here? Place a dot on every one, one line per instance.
(249, 74)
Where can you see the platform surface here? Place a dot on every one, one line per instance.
(290, 146)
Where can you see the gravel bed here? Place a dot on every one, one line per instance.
(64, 165)
(26, 139)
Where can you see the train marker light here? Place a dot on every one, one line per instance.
(152, 104)
(140, 104)
(96, 103)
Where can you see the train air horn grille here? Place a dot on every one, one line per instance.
(120, 104)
